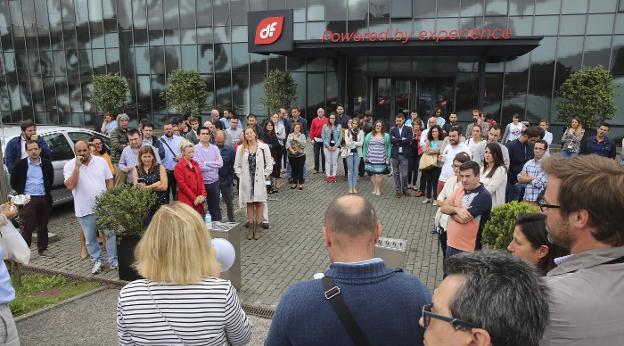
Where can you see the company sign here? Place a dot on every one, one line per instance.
(424, 35)
(270, 31)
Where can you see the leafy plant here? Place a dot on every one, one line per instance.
(498, 230)
(280, 89)
(123, 209)
(588, 94)
(186, 92)
(109, 93)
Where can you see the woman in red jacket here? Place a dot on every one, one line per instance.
(191, 188)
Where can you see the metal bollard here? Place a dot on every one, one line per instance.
(231, 232)
(392, 251)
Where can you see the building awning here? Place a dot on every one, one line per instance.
(463, 49)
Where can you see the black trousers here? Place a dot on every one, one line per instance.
(172, 186)
(318, 153)
(296, 166)
(34, 216)
(430, 176)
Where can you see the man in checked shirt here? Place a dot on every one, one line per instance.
(532, 174)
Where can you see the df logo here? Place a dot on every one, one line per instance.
(269, 30)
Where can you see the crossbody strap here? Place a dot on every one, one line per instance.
(168, 147)
(161, 314)
(334, 296)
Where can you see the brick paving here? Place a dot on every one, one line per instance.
(292, 249)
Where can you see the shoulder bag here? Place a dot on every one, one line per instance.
(334, 296)
(428, 161)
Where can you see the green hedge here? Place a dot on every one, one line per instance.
(498, 231)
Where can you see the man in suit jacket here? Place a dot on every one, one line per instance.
(401, 137)
(34, 176)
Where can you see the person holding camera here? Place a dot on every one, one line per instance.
(88, 176)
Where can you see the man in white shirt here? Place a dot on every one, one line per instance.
(494, 134)
(88, 176)
(548, 136)
(233, 133)
(454, 148)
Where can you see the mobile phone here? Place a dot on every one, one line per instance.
(141, 181)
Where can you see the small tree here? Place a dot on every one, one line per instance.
(498, 230)
(123, 210)
(280, 89)
(589, 94)
(109, 93)
(186, 92)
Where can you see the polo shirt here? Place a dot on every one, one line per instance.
(605, 148)
(479, 204)
(91, 183)
(34, 179)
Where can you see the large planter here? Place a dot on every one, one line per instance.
(125, 256)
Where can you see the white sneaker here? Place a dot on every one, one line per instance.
(425, 201)
(97, 267)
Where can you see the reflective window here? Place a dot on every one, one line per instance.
(238, 11)
(239, 34)
(597, 50)
(495, 22)
(521, 7)
(170, 13)
(617, 59)
(547, 7)
(358, 10)
(187, 14)
(316, 10)
(223, 57)
(157, 87)
(221, 10)
(472, 8)
(205, 59)
(189, 57)
(157, 58)
(258, 63)
(619, 101)
(299, 10)
(380, 8)
(112, 60)
(492, 99)
(222, 34)
(240, 90)
(572, 25)
(172, 58)
(299, 31)
(545, 25)
(314, 30)
(447, 23)
(574, 6)
(188, 36)
(569, 55)
(155, 15)
(448, 8)
(467, 91)
(223, 90)
(495, 7)
(401, 9)
(597, 6)
(316, 99)
(256, 91)
(425, 9)
(142, 56)
(59, 147)
(521, 26)
(275, 4)
(204, 35)
(424, 24)
(300, 80)
(337, 10)
(240, 57)
(204, 13)
(277, 62)
(619, 23)
(144, 101)
(600, 24)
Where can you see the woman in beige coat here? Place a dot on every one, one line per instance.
(252, 157)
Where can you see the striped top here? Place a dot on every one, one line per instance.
(207, 313)
(376, 150)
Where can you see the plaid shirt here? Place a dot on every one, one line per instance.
(533, 189)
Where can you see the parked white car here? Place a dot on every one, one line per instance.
(61, 141)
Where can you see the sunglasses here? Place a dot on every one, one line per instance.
(458, 324)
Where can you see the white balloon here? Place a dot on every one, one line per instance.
(225, 253)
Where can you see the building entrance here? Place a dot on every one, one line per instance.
(402, 95)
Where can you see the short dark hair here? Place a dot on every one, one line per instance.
(605, 125)
(501, 294)
(202, 128)
(533, 132)
(295, 107)
(516, 116)
(234, 116)
(250, 115)
(399, 115)
(470, 165)
(148, 123)
(462, 157)
(541, 141)
(495, 127)
(353, 218)
(180, 121)
(455, 129)
(26, 124)
(543, 121)
(133, 132)
(29, 142)
(339, 105)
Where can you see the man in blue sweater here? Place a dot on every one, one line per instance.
(385, 303)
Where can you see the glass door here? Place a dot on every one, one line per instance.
(403, 97)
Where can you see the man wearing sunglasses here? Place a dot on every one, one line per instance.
(488, 298)
(583, 204)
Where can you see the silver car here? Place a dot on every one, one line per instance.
(61, 141)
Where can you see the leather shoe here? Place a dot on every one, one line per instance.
(419, 194)
(397, 195)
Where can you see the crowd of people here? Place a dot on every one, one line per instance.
(561, 261)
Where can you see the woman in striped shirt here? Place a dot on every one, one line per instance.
(181, 301)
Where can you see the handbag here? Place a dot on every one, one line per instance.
(120, 178)
(13, 244)
(344, 152)
(428, 161)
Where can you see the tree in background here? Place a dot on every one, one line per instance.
(280, 90)
(185, 92)
(588, 94)
(109, 93)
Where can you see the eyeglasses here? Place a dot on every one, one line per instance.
(458, 324)
(545, 206)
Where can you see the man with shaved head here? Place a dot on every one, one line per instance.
(88, 176)
(358, 300)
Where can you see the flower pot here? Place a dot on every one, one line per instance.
(125, 256)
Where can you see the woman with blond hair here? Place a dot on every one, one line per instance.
(253, 165)
(191, 189)
(572, 137)
(181, 293)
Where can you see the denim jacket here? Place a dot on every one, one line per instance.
(327, 136)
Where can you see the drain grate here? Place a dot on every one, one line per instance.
(258, 311)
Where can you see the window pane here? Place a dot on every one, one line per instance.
(240, 57)
(547, 7)
(204, 13)
(299, 10)
(316, 10)
(522, 7)
(221, 12)
(257, 91)
(617, 59)
(142, 60)
(472, 8)
(189, 57)
(170, 11)
(223, 91)
(467, 94)
(258, 63)
(596, 6)
(401, 9)
(144, 101)
(316, 99)
(493, 96)
(158, 86)
(572, 25)
(521, 26)
(205, 59)
(240, 90)
(172, 58)
(138, 14)
(569, 54)
(223, 57)
(546, 25)
(157, 58)
(597, 50)
(496, 7)
(379, 8)
(574, 6)
(59, 147)
(238, 10)
(187, 14)
(448, 8)
(424, 9)
(600, 24)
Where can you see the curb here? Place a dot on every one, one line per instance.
(59, 304)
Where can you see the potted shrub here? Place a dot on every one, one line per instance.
(123, 209)
(498, 230)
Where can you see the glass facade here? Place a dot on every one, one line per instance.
(50, 50)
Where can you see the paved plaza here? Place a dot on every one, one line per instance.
(292, 249)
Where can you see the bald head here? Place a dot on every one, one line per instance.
(220, 137)
(350, 215)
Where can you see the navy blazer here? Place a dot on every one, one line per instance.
(397, 142)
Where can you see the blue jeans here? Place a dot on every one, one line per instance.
(353, 164)
(90, 232)
(212, 198)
